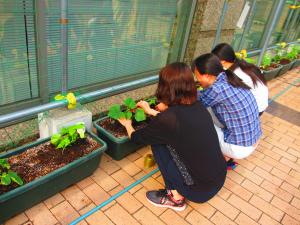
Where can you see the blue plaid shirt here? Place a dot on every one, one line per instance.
(236, 109)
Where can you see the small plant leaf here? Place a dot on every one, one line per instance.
(81, 132)
(128, 115)
(14, 177)
(5, 179)
(130, 103)
(4, 164)
(151, 100)
(64, 143)
(139, 115)
(55, 139)
(115, 112)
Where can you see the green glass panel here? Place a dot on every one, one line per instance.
(18, 77)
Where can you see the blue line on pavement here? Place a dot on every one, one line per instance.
(114, 197)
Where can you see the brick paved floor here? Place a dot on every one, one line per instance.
(264, 188)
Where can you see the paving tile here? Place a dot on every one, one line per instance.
(248, 174)
(266, 220)
(287, 220)
(172, 218)
(244, 219)
(96, 194)
(104, 180)
(128, 166)
(76, 197)
(267, 208)
(219, 219)
(146, 217)
(120, 216)
(98, 218)
(129, 202)
(237, 189)
(262, 173)
(18, 219)
(85, 182)
(257, 190)
(226, 208)
(204, 208)
(40, 215)
(277, 191)
(291, 189)
(108, 165)
(65, 213)
(54, 200)
(233, 175)
(277, 164)
(245, 207)
(196, 218)
(296, 202)
(123, 178)
(287, 208)
(293, 181)
(224, 193)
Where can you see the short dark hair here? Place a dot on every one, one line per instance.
(176, 85)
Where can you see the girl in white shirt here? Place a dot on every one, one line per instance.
(248, 73)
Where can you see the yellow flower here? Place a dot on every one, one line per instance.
(282, 44)
(244, 53)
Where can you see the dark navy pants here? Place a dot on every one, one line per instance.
(173, 179)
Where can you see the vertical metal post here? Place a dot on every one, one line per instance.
(42, 55)
(292, 24)
(286, 25)
(221, 21)
(64, 43)
(270, 29)
(248, 24)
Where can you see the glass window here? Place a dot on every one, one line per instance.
(253, 37)
(18, 74)
(109, 39)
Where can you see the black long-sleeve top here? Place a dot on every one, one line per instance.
(190, 130)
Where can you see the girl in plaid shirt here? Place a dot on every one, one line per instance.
(232, 103)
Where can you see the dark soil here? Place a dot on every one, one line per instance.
(44, 158)
(115, 128)
(271, 67)
(284, 61)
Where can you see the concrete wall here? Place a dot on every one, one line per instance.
(205, 24)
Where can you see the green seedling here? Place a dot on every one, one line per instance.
(6, 175)
(68, 135)
(131, 110)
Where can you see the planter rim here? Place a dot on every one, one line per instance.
(278, 68)
(21, 189)
(119, 140)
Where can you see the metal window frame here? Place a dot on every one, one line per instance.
(131, 81)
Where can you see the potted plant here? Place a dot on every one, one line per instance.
(282, 57)
(295, 49)
(45, 167)
(114, 134)
(269, 69)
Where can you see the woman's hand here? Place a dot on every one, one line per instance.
(146, 107)
(125, 122)
(128, 125)
(161, 107)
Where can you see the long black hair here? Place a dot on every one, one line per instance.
(210, 64)
(225, 52)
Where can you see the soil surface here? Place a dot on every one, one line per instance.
(116, 129)
(284, 61)
(45, 158)
(271, 67)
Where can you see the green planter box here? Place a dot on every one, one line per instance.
(26, 196)
(296, 63)
(271, 74)
(285, 68)
(117, 148)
